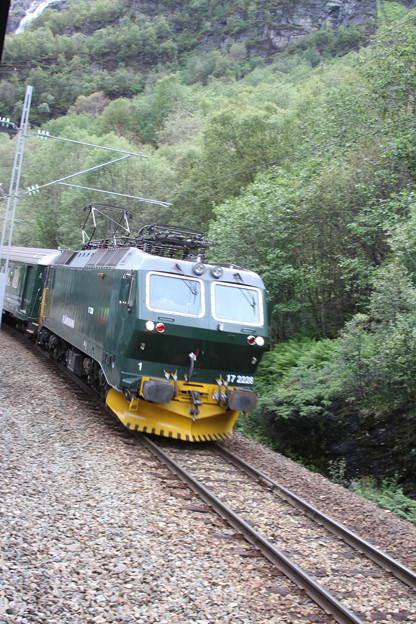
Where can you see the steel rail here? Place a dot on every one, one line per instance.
(398, 570)
(314, 590)
(389, 564)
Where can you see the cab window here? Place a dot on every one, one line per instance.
(175, 294)
(237, 304)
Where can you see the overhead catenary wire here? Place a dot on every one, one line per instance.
(143, 199)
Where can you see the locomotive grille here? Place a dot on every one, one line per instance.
(106, 258)
(65, 257)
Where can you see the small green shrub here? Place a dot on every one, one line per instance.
(388, 495)
(306, 352)
(337, 470)
(390, 11)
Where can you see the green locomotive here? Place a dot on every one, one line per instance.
(171, 341)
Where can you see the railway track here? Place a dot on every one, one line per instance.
(347, 577)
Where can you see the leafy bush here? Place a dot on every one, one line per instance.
(388, 495)
(376, 352)
(390, 11)
(293, 354)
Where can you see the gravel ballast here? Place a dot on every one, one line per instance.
(91, 532)
(383, 529)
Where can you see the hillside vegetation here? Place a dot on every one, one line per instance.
(118, 47)
(301, 166)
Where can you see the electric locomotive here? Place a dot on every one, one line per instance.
(169, 340)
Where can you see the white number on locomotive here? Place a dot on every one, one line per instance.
(240, 379)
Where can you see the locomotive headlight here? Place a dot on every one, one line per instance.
(216, 272)
(255, 340)
(198, 268)
(150, 325)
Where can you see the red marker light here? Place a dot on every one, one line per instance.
(160, 327)
(251, 340)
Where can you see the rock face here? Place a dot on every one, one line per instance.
(308, 16)
(276, 26)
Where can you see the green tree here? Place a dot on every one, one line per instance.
(256, 231)
(391, 68)
(151, 111)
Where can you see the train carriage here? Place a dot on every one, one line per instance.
(24, 283)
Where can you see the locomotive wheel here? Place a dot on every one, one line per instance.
(56, 347)
(103, 386)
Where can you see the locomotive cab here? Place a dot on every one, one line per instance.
(170, 341)
(199, 333)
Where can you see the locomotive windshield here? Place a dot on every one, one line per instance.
(238, 304)
(175, 294)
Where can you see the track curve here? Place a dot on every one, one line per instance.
(356, 609)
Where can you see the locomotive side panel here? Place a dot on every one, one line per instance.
(120, 323)
(93, 310)
(77, 307)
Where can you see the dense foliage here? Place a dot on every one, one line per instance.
(111, 46)
(301, 168)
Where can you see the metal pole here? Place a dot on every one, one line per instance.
(12, 197)
(13, 194)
